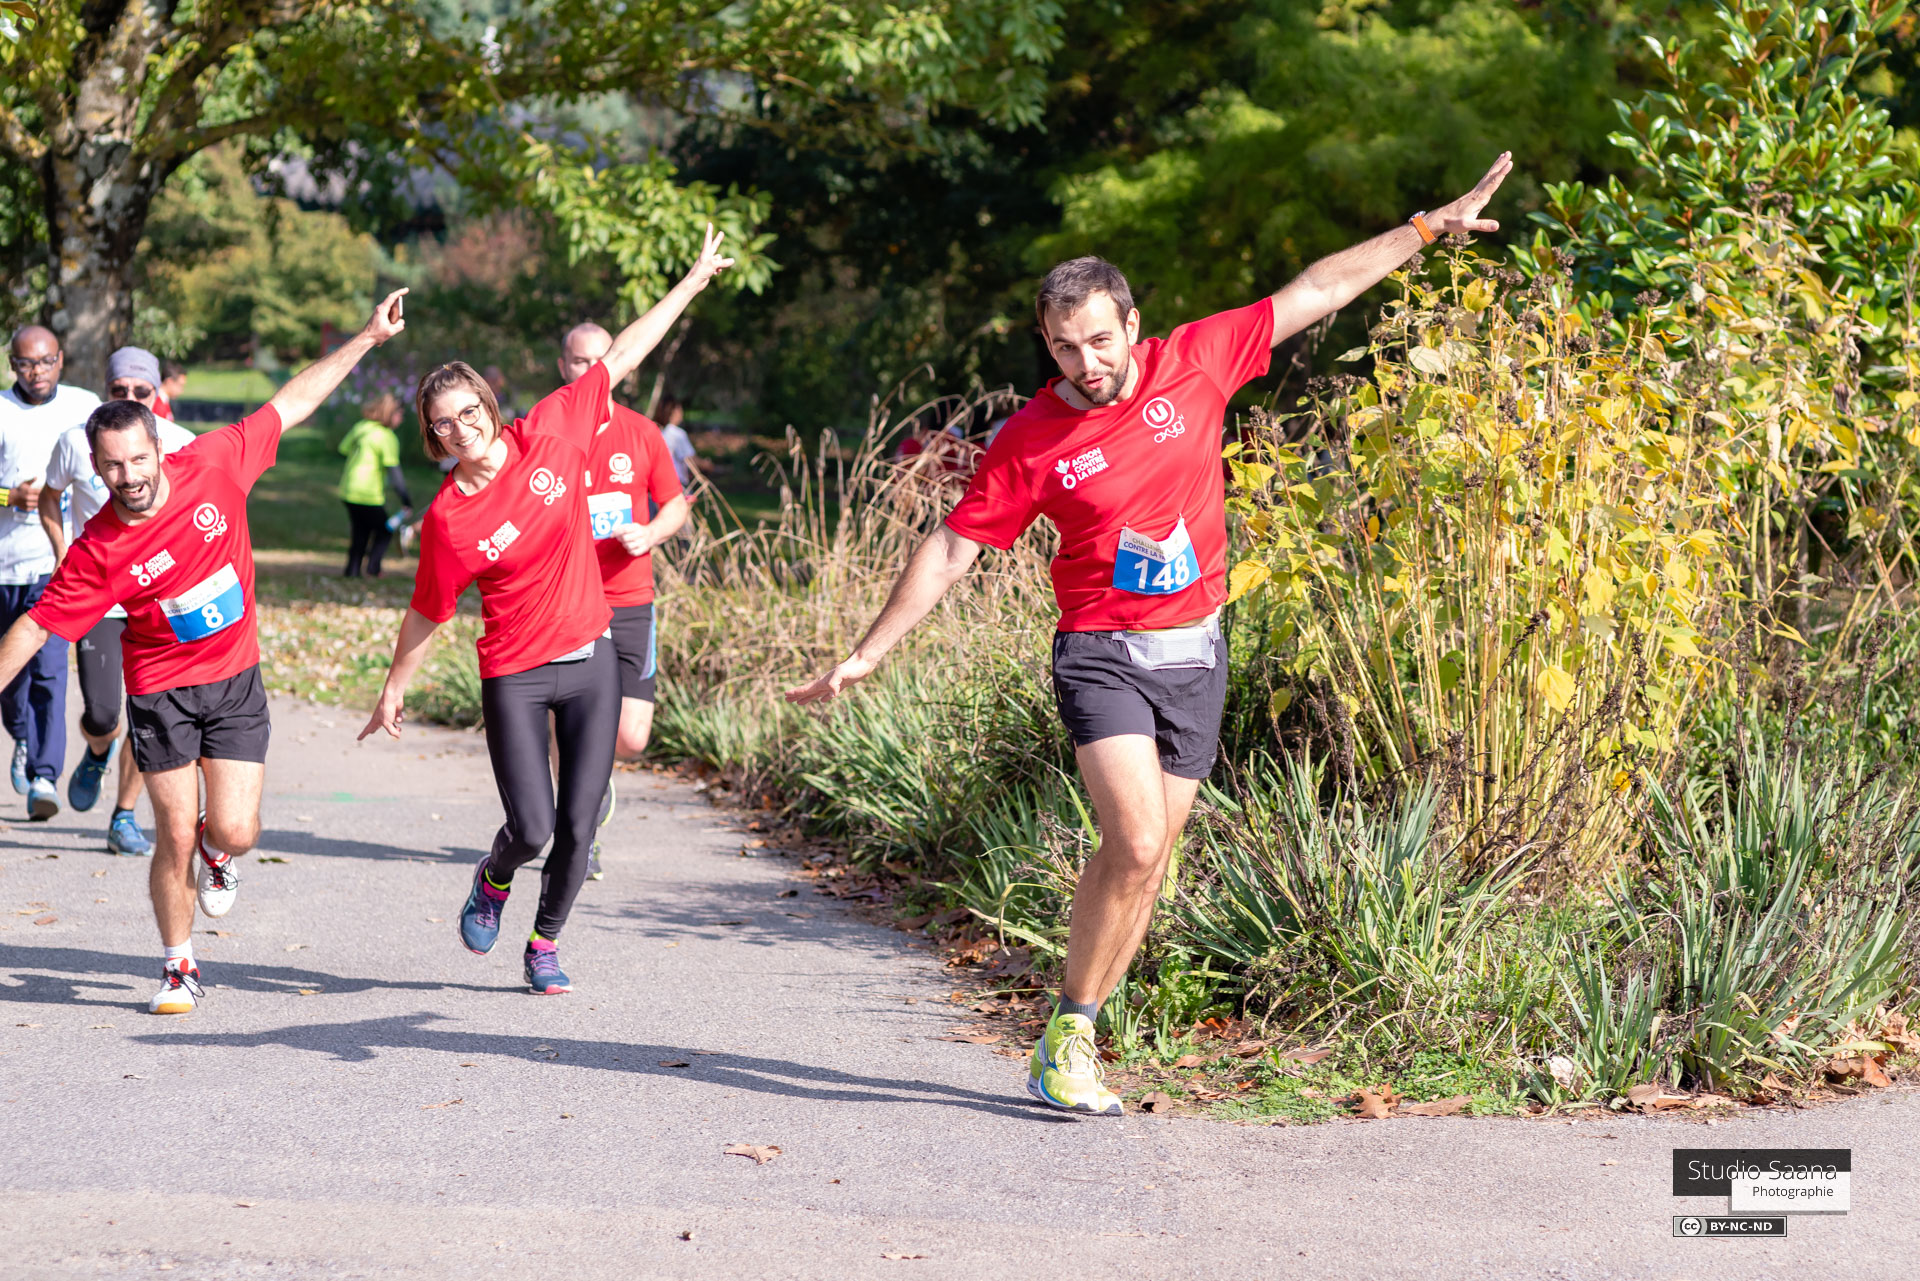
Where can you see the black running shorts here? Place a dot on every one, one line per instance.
(633, 643)
(222, 720)
(1104, 691)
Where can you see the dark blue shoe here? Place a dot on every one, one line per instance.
(20, 766)
(480, 918)
(541, 963)
(83, 789)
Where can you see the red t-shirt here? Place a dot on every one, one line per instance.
(184, 575)
(524, 539)
(1135, 488)
(627, 465)
(162, 407)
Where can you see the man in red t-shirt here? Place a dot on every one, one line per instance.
(1122, 454)
(172, 547)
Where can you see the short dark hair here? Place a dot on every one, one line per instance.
(172, 369)
(1069, 285)
(121, 415)
(453, 374)
(667, 405)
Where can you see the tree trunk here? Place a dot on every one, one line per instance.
(98, 190)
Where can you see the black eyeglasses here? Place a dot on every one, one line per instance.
(130, 391)
(468, 418)
(27, 364)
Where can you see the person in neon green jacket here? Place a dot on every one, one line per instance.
(373, 462)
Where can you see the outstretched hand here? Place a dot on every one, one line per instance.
(710, 263)
(387, 320)
(830, 686)
(1464, 214)
(388, 714)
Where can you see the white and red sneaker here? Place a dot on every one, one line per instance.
(218, 881)
(179, 990)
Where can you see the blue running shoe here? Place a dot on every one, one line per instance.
(542, 966)
(83, 789)
(125, 837)
(20, 766)
(480, 918)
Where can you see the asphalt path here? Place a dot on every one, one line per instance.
(358, 1096)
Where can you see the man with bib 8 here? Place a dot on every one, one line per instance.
(1122, 454)
(172, 547)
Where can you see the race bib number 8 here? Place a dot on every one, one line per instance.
(608, 512)
(212, 606)
(1149, 567)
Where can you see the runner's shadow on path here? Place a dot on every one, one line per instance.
(281, 840)
(74, 967)
(358, 1043)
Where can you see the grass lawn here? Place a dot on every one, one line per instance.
(205, 382)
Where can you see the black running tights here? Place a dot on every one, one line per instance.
(584, 700)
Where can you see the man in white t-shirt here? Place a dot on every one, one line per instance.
(34, 413)
(132, 374)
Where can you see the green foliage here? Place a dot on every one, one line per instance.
(1782, 122)
(223, 267)
(1356, 115)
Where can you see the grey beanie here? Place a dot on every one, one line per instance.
(134, 362)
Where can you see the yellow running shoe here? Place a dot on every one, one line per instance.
(1065, 1071)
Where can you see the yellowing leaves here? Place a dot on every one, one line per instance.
(1246, 576)
(1556, 686)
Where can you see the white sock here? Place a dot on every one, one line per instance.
(181, 952)
(212, 855)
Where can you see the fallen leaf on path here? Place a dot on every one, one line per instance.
(131, 1076)
(973, 1038)
(245, 1205)
(1437, 1107)
(219, 934)
(271, 858)
(1375, 1104)
(733, 922)
(885, 1255)
(1609, 1162)
(101, 872)
(1894, 1031)
(675, 1063)
(294, 947)
(1863, 1068)
(805, 916)
(1305, 1056)
(27, 1025)
(309, 991)
(788, 894)
(687, 1235)
(1155, 1101)
(760, 1154)
(45, 920)
(100, 1027)
(1190, 1061)
(1248, 1049)
(1645, 1093)
(428, 1107)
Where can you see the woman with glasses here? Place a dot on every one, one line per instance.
(512, 516)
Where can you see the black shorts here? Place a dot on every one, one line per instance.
(1105, 691)
(223, 720)
(633, 643)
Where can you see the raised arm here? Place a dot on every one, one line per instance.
(307, 390)
(1336, 280)
(935, 566)
(637, 341)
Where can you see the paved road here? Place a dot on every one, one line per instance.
(360, 1097)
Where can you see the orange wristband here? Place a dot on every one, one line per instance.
(1419, 222)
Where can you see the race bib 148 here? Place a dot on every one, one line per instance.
(608, 512)
(1150, 567)
(212, 606)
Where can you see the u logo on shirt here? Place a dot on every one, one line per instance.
(208, 520)
(1166, 421)
(547, 485)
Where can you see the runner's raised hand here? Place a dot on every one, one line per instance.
(1463, 215)
(387, 320)
(710, 263)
